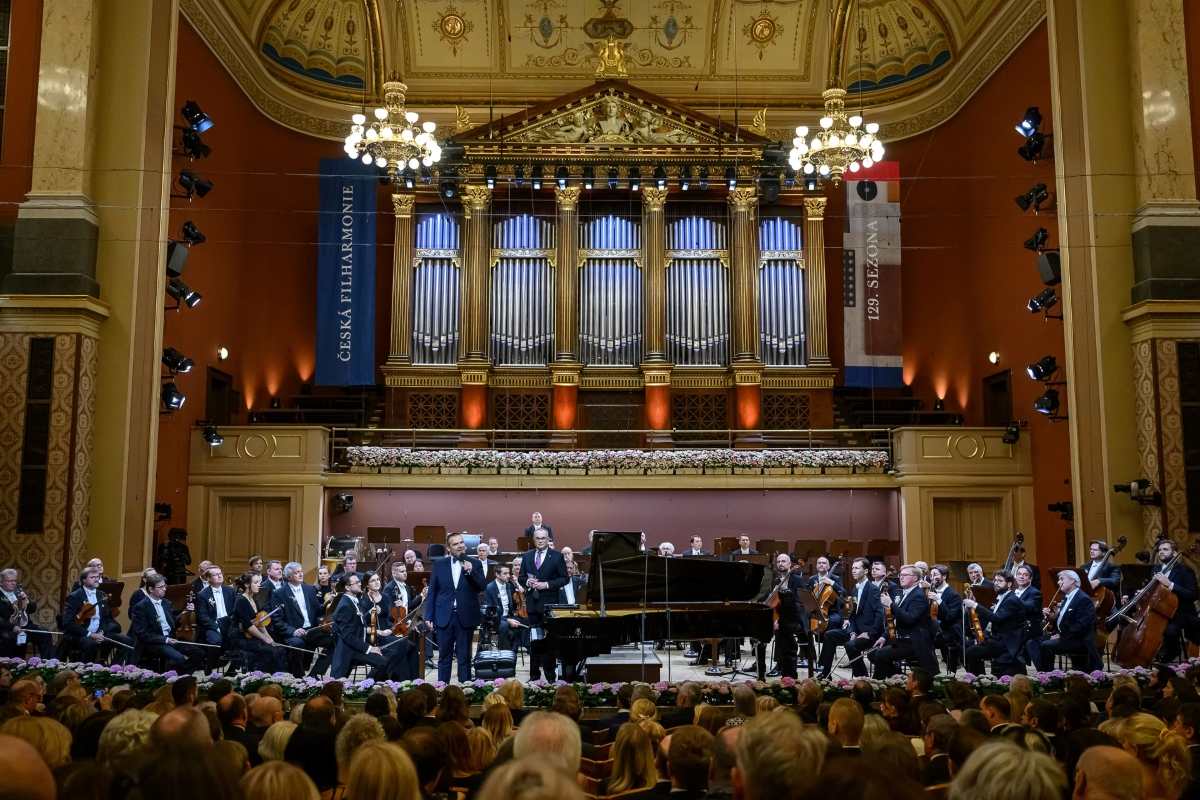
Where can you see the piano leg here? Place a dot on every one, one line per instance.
(761, 654)
(713, 669)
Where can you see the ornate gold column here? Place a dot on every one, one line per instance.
(654, 275)
(473, 364)
(743, 310)
(402, 275)
(817, 325)
(566, 277)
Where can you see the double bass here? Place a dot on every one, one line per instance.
(1147, 615)
(826, 596)
(1012, 552)
(1104, 598)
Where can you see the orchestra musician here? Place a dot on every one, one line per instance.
(1182, 582)
(860, 629)
(90, 635)
(791, 617)
(1074, 628)
(1018, 555)
(494, 545)
(453, 606)
(99, 565)
(572, 591)
(1006, 620)
(483, 554)
(949, 615)
(152, 624)
(823, 576)
(352, 644)
(1030, 597)
(499, 593)
(697, 547)
(544, 572)
(537, 525)
(259, 652)
(880, 578)
(743, 548)
(256, 564)
(214, 613)
(914, 628)
(1100, 571)
(139, 594)
(299, 623)
(14, 637)
(348, 566)
(410, 557)
(198, 582)
(975, 574)
(324, 584)
(397, 594)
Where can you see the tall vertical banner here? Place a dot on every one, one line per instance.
(871, 278)
(346, 274)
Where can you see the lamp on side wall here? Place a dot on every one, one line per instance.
(343, 501)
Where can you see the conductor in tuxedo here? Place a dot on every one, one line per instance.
(452, 606)
(532, 530)
(544, 572)
(1075, 634)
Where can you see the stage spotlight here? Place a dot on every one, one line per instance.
(685, 178)
(426, 175)
(176, 361)
(561, 176)
(1032, 147)
(1031, 122)
(1012, 433)
(536, 176)
(518, 176)
(1046, 299)
(660, 177)
(195, 117)
(1043, 369)
(410, 178)
(489, 176)
(703, 178)
(1064, 509)
(211, 434)
(177, 256)
(193, 183)
(589, 177)
(635, 179)
(1037, 241)
(343, 501)
(731, 177)
(172, 398)
(613, 180)
(1047, 403)
(180, 293)
(193, 146)
(1034, 197)
(190, 234)
(447, 187)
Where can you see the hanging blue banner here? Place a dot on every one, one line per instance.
(346, 274)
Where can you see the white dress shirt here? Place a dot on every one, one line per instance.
(89, 595)
(570, 589)
(455, 573)
(1062, 609)
(501, 590)
(219, 601)
(1093, 569)
(162, 617)
(298, 593)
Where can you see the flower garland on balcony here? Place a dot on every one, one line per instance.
(366, 456)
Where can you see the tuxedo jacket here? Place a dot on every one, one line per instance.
(868, 613)
(74, 603)
(6, 611)
(1031, 598)
(491, 597)
(578, 584)
(349, 625)
(144, 626)
(409, 599)
(1079, 620)
(443, 595)
(949, 608)
(1008, 622)
(694, 553)
(1037, 574)
(914, 623)
(529, 531)
(553, 573)
(1183, 581)
(1109, 575)
(287, 621)
(206, 609)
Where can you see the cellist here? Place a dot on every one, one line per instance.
(791, 617)
(90, 634)
(860, 629)
(1182, 582)
(823, 576)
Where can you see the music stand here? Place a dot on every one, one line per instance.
(524, 544)
(114, 590)
(1133, 578)
(177, 594)
(724, 545)
(958, 572)
(583, 562)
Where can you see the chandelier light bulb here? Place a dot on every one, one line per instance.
(855, 121)
(367, 158)
(359, 119)
(381, 162)
(865, 140)
(826, 122)
(406, 134)
(834, 141)
(815, 145)
(824, 169)
(795, 142)
(386, 133)
(872, 127)
(802, 131)
(412, 117)
(868, 162)
(427, 161)
(854, 166)
(429, 126)
(413, 163)
(808, 169)
(381, 113)
(851, 140)
(372, 134)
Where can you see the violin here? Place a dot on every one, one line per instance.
(374, 626)
(975, 625)
(927, 588)
(1051, 626)
(401, 617)
(261, 620)
(519, 602)
(330, 606)
(85, 615)
(889, 619)
(186, 630)
(826, 596)
(20, 617)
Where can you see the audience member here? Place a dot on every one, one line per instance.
(1107, 773)
(552, 738)
(278, 780)
(846, 723)
(26, 776)
(274, 742)
(51, 739)
(529, 779)
(1162, 753)
(633, 762)
(381, 770)
(777, 758)
(497, 720)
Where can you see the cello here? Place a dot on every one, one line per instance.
(826, 595)
(974, 616)
(1012, 552)
(186, 630)
(1104, 598)
(1147, 614)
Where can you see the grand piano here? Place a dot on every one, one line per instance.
(638, 597)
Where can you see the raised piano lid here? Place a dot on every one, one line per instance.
(633, 577)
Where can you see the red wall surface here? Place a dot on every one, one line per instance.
(20, 105)
(665, 515)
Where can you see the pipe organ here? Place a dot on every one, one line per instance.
(781, 298)
(610, 291)
(698, 286)
(436, 288)
(522, 300)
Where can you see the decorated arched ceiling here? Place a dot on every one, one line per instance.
(913, 62)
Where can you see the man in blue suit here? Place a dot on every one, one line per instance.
(1076, 634)
(452, 606)
(300, 622)
(860, 628)
(1007, 619)
(544, 573)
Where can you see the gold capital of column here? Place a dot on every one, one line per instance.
(653, 198)
(475, 198)
(814, 207)
(568, 198)
(565, 373)
(404, 204)
(743, 198)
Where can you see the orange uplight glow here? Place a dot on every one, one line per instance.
(305, 367)
(910, 372)
(940, 385)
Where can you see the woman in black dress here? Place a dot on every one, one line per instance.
(259, 652)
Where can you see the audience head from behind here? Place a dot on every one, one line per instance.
(744, 704)
(566, 702)
(513, 692)
(846, 721)
(975, 719)
(277, 780)
(778, 758)
(1163, 754)
(358, 730)
(51, 739)
(275, 741)
(382, 770)
(26, 775)
(1106, 773)
(185, 691)
(624, 696)
(996, 709)
(182, 727)
(453, 706)
(552, 739)
(481, 748)
(643, 709)
(939, 731)
(125, 737)
(632, 755)
(1123, 701)
(497, 720)
(963, 744)
(319, 709)
(999, 770)
(410, 708)
(724, 759)
(530, 778)
(689, 757)
(427, 749)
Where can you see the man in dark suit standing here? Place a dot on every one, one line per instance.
(499, 593)
(1075, 621)
(152, 624)
(697, 547)
(453, 606)
(1100, 570)
(861, 628)
(96, 635)
(299, 624)
(214, 609)
(544, 572)
(532, 530)
(914, 629)
(1181, 580)
(1007, 620)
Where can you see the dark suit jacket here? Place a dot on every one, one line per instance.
(553, 573)
(1031, 598)
(578, 583)
(74, 603)
(868, 614)
(206, 609)
(702, 552)
(950, 609)
(530, 529)
(1184, 580)
(1079, 620)
(937, 771)
(143, 623)
(1008, 622)
(914, 623)
(348, 622)
(287, 621)
(1109, 575)
(411, 600)
(611, 723)
(443, 595)
(1037, 575)
(678, 716)
(987, 582)
(248, 739)
(6, 611)
(491, 597)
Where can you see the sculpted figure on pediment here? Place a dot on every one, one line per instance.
(577, 129)
(613, 127)
(648, 129)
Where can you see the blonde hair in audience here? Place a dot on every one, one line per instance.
(1017, 701)
(655, 731)
(1156, 744)
(275, 740)
(158, 707)
(124, 735)
(708, 717)
(358, 730)
(1126, 680)
(875, 727)
(513, 692)
(482, 749)
(494, 698)
(497, 720)
(382, 771)
(632, 757)
(278, 780)
(643, 710)
(528, 779)
(51, 739)
(766, 704)
(1002, 770)
(744, 701)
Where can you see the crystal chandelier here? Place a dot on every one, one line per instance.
(841, 145)
(393, 141)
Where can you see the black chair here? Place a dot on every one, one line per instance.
(436, 551)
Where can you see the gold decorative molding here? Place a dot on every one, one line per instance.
(796, 256)
(743, 199)
(475, 198)
(418, 377)
(568, 198)
(462, 120)
(403, 203)
(814, 208)
(610, 60)
(684, 378)
(653, 198)
(798, 378)
(562, 374)
(523, 252)
(1163, 319)
(656, 374)
(747, 375)
(38, 313)
(510, 378)
(474, 375)
(610, 378)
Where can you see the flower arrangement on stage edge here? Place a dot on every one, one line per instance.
(540, 694)
(365, 456)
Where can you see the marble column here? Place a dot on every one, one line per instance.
(474, 364)
(566, 367)
(743, 309)
(402, 277)
(656, 370)
(816, 327)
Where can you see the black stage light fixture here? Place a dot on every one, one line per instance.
(518, 176)
(1048, 403)
(1031, 122)
(1034, 197)
(613, 178)
(1012, 433)
(410, 178)
(176, 361)
(343, 501)
(561, 176)
(275, 404)
(703, 178)
(731, 177)
(939, 404)
(193, 146)
(211, 434)
(177, 256)
(1046, 299)
(685, 178)
(536, 176)
(180, 293)
(193, 183)
(163, 512)
(789, 177)
(770, 188)
(489, 176)
(660, 177)
(426, 175)
(589, 177)
(1032, 147)
(635, 179)
(447, 187)
(1043, 369)
(1038, 240)
(172, 398)
(1064, 509)
(1050, 268)
(195, 117)
(191, 234)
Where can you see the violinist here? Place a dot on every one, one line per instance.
(860, 629)
(1030, 597)
(14, 627)
(95, 631)
(350, 621)
(880, 578)
(1006, 622)
(1182, 582)
(949, 615)
(823, 577)
(1071, 628)
(259, 652)
(299, 623)
(324, 585)
(349, 565)
(152, 625)
(913, 628)
(975, 573)
(1100, 570)
(201, 580)
(791, 617)
(99, 565)
(499, 593)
